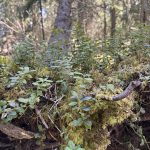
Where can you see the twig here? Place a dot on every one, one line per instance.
(52, 136)
(54, 123)
(40, 116)
(1, 22)
(56, 102)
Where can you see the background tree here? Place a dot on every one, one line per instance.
(62, 26)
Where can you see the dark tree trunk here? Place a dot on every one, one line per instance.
(41, 19)
(62, 27)
(105, 22)
(144, 11)
(113, 21)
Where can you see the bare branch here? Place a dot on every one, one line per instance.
(127, 91)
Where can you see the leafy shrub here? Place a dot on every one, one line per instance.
(73, 96)
(29, 53)
(83, 50)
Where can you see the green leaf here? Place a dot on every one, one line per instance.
(26, 69)
(35, 83)
(110, 87)
(29, 76)
(80, 148)
(74, 93)
(71, 144)
(87, 98)
(40, 128)
(1, 110)
(86, 108)
(59, 81)
(102, 87)
(20, 110)
(77, 122)
(23, 100)
(24, 81)
(77, 77)
(78, 73)
(83, 86)
(72, 103)
(67, 148)
(88, 124)
(13, 113)
(89, 80)
(71, 73)
(2, 103)
(74, 98)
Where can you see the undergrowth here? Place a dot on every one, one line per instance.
(72, 93)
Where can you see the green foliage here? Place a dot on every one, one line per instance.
(28, 53)
(83, 51)
(21, 77)
(73, 96)
(71, 146)
(134, 43)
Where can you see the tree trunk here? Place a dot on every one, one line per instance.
(85, 15)
(62, 27)
(81, 13)
(113, 21)
(144, 12)
(105, 22)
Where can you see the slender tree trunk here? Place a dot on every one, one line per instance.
(85, 15)
(105, 22)
(81, 13)
(113, 21)
(62, 27)
(127, 21)
(143, 13)
(41, 19)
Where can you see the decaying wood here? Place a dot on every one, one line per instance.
(127, 91)
(15, 132)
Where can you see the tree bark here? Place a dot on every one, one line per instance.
(81, 13)
(41, 19)
(62, 27)
(105, 22)
(113, 21)
(144, 11)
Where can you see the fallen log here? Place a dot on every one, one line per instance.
(15, 132)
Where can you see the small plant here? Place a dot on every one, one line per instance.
(42, 85)
(72, 146)
(83, 51)
(21, 77)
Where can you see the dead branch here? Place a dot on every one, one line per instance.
(127, 91)
(40, 116)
